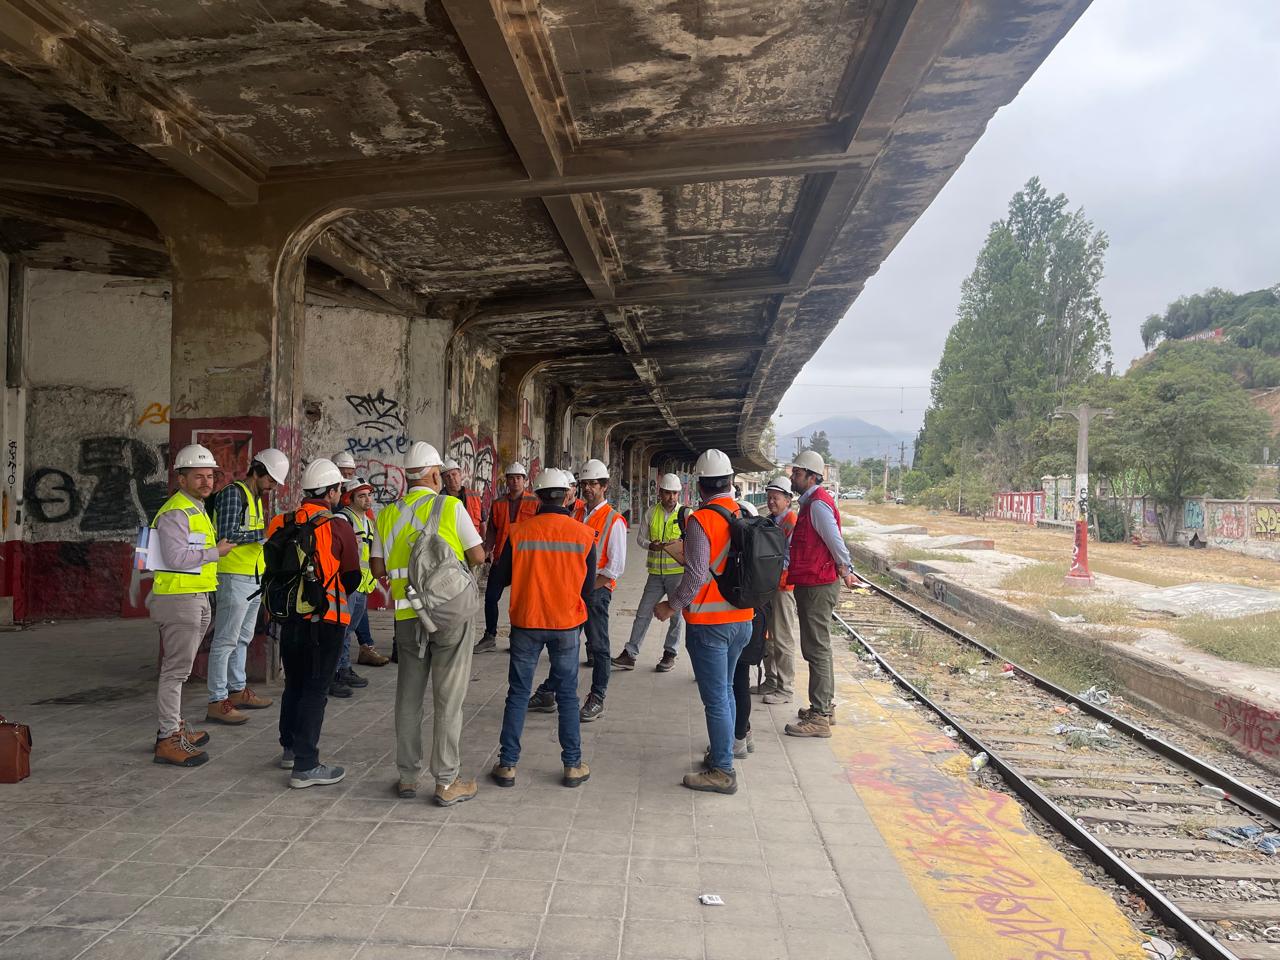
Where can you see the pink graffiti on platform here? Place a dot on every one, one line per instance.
(478, 459)
(951, 834)
(1255, 730)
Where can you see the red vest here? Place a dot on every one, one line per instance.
(811, 563)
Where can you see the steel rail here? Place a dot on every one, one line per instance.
(1196, 936)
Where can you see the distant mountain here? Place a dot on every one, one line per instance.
(851, 439)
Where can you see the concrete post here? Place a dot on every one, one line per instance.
(1079, 574)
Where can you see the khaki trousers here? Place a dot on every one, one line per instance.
(448, 665)
(183, 619)
(815, 606)
(780, 645)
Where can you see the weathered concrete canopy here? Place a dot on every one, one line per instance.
(669, 205)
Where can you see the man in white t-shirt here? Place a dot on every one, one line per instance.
(443, 656)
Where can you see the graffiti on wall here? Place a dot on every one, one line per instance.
(478, 458)
(528, 454)
(1266, 522)
(1226, 521)
(1253, 729)
(1193, 515)
(116, 485)
(157, 413)
(377, 441)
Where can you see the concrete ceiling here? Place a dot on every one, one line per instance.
(681, 197)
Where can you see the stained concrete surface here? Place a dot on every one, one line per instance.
(1224, 600)
(106, 854)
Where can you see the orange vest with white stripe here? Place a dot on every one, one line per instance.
(548, 567)
(602, 522)
(330, 566)
(501, 522)
(709, 605)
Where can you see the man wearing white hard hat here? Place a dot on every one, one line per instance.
(346, 464)
(241, 509)
(783, 627)
(663, 524)
(184, 554)
(451, 474)
(518, 505)
(817, 563)
(443, 657)
(357, 510)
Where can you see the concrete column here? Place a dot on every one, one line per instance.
(13, 434)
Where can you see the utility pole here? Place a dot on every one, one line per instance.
(902, 463)
(1079, 574)
(885, 486)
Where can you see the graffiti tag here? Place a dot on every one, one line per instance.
(1266, 523)
(1255, 730)
(380, 412)
(1193, 515)
(478, 459)
(125, 484)
(155, 413)
(1227, 522)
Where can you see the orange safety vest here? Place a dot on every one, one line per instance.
(330, 567)
(603, 526)
(788, 524)
(709, 605)
(579, 510)
(475, 509)
(501, 522)
(548, 566)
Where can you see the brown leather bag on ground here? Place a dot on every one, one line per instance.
(15, 751)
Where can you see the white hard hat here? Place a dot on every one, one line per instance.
(713, 463)
(550, 478)
(748, 508)
(782, 484)
(515, 470)
(276, 463)
(812, 461)
(594, 470)
(320, 474)
(422, 456)
(450, 464)
(194, 455)
(568, 475)
(669, 481)
(344, 459)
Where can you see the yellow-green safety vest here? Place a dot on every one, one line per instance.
(363, 527)
(663, 528)
(399, 525)
(206, 581)
(246, 558)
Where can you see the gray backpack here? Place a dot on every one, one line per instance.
(442, 590)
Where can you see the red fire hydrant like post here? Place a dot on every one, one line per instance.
(1079, 574)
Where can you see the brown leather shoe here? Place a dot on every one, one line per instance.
(369, 657)
(503, 776)
(246, 699)
(197, 738)
(576, 776)
(224, 711)
(712, 781)
(178, 751)
(812, 725)
(457, 792)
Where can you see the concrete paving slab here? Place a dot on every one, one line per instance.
(1219, 600)
(954, 542)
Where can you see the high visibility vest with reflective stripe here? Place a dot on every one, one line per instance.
(602, 523)
(548, 566)
(330, 567)
(709, 604)
(399, 524)
(206, 581)
(788, 525)
(664, 528)
(362, 524)
(501, 522)
(475, 508)
(246, 558)
(580, 510)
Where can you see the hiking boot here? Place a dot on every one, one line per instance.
(224, 711)
(750, 742)
(369, 657)
(246, 699)
(591, 710)
(503, 776)
(767, 686)
(667, 663)
(406, 791)
(351, 678)
(339, 690)
(712, 781)
(457, 792)
(179, 751)
(576, 776)
(805, 712)
(486, 644)
(624, 661)
(777, 696)
(286, 760)
(813, 725)
(197, 738)
(740, 751)
(317, 776)
(543, 701)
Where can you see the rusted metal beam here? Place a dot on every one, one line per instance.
(67, 59)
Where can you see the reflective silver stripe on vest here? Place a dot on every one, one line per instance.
(407, 516)
(553, 546)
(402, 604)
(717, 606)
(720, 559)
(399, 573)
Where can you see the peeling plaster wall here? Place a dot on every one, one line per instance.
(356, 387)
(97, 437)
(427, 416)
(534, 404)
(473, 414)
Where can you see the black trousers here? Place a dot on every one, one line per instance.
(310, 656)
(742, 676)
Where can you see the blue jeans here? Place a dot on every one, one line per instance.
(562, 650)
(597, 631)
(359, 605)
(362, 625)
(713, 651)
(492, 594)
(233, 624)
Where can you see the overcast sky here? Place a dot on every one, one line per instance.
(1162, 119)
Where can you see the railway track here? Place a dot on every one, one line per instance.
(1184, 835)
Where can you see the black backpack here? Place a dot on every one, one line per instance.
(293, 587)
(757, 546)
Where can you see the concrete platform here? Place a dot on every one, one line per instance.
(955, 542)
(1209, 599)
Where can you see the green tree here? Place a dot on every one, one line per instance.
(819, 443)
(1030, 323)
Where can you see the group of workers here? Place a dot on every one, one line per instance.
(559, 547)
